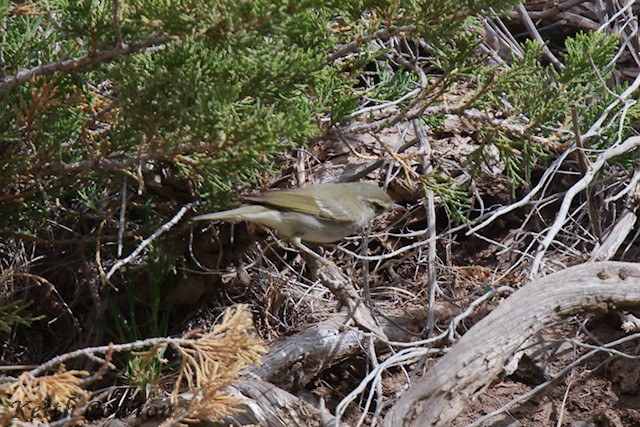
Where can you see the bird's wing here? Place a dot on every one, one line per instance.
(297, 201)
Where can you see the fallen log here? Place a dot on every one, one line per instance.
(479, 356)
(293, 362)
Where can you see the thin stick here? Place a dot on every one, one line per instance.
(627, 146)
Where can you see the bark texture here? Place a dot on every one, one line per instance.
(479, 356)
(293, 362)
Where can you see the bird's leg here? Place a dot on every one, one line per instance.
(297, 242)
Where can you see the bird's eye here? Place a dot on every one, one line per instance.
(378, 206)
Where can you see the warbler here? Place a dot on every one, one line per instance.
(320, 213)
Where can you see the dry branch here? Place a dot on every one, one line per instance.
(295, 361)
(623, 226)
(471, 364)
(292, 363)
(97, 57)
(626, 147)
(333, 279)
(275, 407)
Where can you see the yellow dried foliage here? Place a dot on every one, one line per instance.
(212, 362)
(35, 400)
(209, 363)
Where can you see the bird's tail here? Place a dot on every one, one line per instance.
(232, 215)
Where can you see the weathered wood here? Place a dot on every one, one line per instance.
(332, 277)
(272, 406)
(478, 357)
(267, 405)
(610, 245)
(296, 360)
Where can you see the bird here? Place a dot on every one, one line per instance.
(319, 213)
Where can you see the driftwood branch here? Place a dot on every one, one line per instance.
(273, 406)
(478, 357)
(331, 276)
(295, 361)
(292, 363)
(264, 405)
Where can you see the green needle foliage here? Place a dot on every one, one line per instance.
(12, 314)
(208, 92)
(541, 98)
(131, 109)
(231, 88)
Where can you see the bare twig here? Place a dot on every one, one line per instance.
(383, 33)
(165, 227)
(629, 145)
(431, 218)
(73, 64)
(610, 245)
(584, 163)
(118, 164)
(533, 31)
